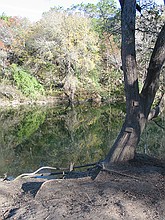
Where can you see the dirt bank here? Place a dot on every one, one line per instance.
(133, 191)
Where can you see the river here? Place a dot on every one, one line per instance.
(35, 136)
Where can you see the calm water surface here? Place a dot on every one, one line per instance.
(31, 137)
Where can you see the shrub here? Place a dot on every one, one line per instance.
(28, 84)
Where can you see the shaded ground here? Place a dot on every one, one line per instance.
(132, 191)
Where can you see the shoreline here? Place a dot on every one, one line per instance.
(138, 193)
(17, 103)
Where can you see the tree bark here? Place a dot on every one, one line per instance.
(138, 106)
(151, 84)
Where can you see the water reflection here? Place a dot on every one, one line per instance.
(56, 136)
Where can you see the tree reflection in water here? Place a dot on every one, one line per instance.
(56, 136)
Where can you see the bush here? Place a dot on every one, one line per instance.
(28, 84)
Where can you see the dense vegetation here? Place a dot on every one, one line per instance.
(74, 52)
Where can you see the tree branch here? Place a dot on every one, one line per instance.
(158, 109)
(151, 84)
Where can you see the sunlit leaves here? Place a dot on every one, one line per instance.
(61, 38)
(27, 83)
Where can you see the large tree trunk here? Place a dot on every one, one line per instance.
(138, 106)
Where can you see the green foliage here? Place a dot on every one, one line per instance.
(16, 127)
(83, 41)
(4, 17)
(101, 14)
(26, 83)
(30, 124)
(153, 139)
(105, 20)
(65, 38)
(55, 136)
(62, 43)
